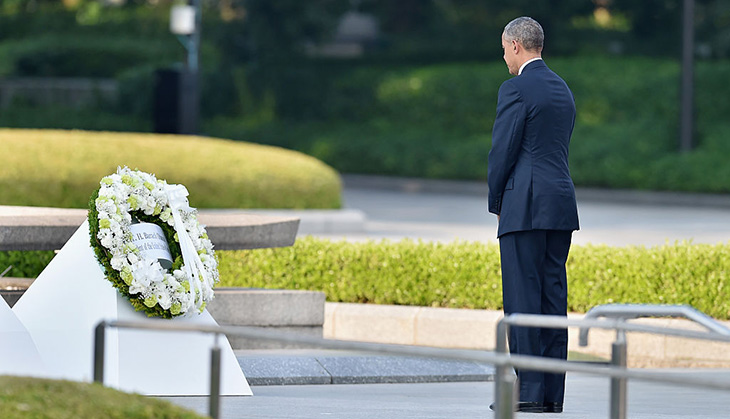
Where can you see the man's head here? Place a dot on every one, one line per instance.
(522, 40)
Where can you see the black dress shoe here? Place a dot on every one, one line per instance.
(527, 407)
(552, 407)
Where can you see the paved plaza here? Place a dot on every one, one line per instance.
(384, 208)
(586, 398)
(445, 211)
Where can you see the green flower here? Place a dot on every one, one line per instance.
(128, 180)
(150, 301)
(107, 181)
(149, 186)
(126, 275)
(166, 215)
(186, 285)
(158, 209)
(175, 308)
(105, 223)
(202, 307)
(133, 202)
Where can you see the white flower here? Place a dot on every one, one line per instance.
(117, 262)
(163, 298)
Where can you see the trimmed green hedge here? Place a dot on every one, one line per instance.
(59, 55)
(25, 264)
(467, 274)
(94, 118)
(63, 168)
(25, 397)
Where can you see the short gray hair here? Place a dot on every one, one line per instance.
(526, 31)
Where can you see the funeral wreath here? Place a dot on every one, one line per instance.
(150, 244)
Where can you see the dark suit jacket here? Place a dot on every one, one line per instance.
(530, 187)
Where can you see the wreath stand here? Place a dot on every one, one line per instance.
(18, 347)
(71, 296)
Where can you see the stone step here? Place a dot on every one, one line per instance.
(282, 310)
(299, 367)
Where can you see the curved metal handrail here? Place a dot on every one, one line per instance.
(635, 311)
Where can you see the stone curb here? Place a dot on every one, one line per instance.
(476, 329)
(624, 196)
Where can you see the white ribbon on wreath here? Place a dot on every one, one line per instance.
(192, 265)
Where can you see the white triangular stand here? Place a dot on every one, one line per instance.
(71, 296)
(18, 353)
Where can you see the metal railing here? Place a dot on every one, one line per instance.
(619, 356)
(619, 314)
(504, 380)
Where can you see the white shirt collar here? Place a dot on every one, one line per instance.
(522, 67)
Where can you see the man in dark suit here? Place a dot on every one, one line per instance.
(532, 193)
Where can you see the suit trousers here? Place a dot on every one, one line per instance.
(534, 281)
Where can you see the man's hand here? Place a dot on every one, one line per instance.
(497, 218)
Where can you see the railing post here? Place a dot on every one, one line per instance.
(99, 350)
(618, 385)
(506, 398)
(504, 394)
(215, 379)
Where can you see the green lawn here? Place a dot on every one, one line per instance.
(24, 398)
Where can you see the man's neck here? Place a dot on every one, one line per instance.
(528, 61)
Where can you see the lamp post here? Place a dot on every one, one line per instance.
(185, 22)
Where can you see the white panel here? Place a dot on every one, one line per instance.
(71, 296)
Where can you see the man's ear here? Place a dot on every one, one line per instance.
(515, 46)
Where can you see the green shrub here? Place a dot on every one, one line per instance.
(435, 121)
(409, 273)
(59, 117)
(25, 264)
(24, 397)
(81, 56)
(136, 94)
(383, 147)
(467, 275)
(63, 168)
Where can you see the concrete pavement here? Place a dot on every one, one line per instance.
(397, 208)
(586, 398)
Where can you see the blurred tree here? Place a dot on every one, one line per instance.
(655, 25)
(264, 30)
(712, 18)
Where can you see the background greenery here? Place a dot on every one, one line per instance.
(25, 397)
(434, 121)
(63, 168)
(420, 100)
(467, 275)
